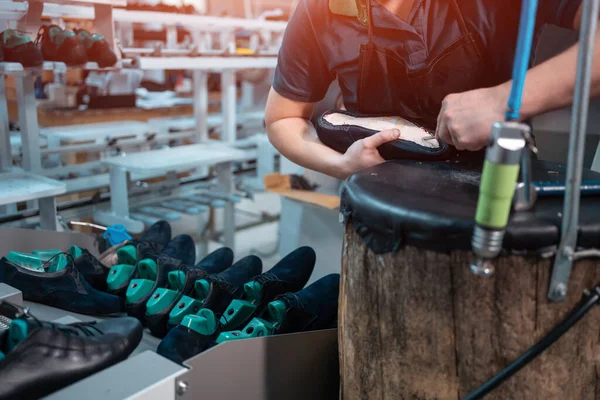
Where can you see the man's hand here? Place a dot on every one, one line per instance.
(465, 120)
(363, 153)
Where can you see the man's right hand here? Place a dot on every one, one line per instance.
(363, 153)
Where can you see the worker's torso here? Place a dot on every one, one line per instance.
(465, 43)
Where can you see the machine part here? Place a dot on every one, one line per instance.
(564, 257)
(588, 301)
(498, 182)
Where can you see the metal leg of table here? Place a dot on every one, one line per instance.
(5, 154)
(48, 214)
(119, 200)
(201, 104)
(28, 121)
(228, 106)
(247, 96)
(30, 23)
(119, 203)
(226, 185)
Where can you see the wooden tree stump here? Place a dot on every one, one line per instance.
(417, 324)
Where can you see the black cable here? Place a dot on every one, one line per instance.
(588, 301)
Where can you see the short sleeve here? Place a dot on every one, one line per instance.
(302, 73)
(558, 12)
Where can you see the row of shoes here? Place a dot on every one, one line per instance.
(192, 306)
(56, 44)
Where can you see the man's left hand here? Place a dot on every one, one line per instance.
(465, 120)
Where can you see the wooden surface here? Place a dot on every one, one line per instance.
(419, 325)
(48, 117)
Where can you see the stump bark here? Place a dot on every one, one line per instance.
(418, 325)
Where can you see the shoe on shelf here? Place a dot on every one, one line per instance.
(128, 257)
(182, 248)
(312, 308)
(93, 271)
(181, 283)
(56, 283)
(21, 323)
(139, 262)
(290, 274)
(98, 49)
(195, 334)
(61, 45)
(50, 359)
(17, 47)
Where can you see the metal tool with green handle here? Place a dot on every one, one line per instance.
(497, 188)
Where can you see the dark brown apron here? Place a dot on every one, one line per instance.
(388, 85)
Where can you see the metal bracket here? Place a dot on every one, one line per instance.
(566, 251)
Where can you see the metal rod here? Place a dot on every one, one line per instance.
(564, 257)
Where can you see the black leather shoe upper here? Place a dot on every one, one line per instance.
(50, 359)
(64, 289)
(164, 265)
(181, 248)
(312, 308)
(159, 233)
(93, 271)
(183, 343)
(217, 261)
(340, 137)
(228, 285)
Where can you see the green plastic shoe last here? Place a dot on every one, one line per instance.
(58, 263)
(138, 289)
(147, 269)
(12, 39)
(201, 287)
(45, 255)
(205, 323)
(253, 291)
(127, 254)
(238, 312)
(75, 252)
(255, 328)
(276, 311)
(17, 332)
(119, 275)
(186, 306)
(160, 299)
(176, 280)
(28, 261)
(1, 356)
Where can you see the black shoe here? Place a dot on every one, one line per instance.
(312, 308)
(50, 359)
(181, 283)
(152, 273)
(195, 334)
(288, 275)
(18, 48)
(159, 233)
(129, 256)
(61, 45)
(64, 289)
(93, 271)
(23, 323)
(181, 248)
(97, 48)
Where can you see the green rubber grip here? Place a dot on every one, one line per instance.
(496, 192)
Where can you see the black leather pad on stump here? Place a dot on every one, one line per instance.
(339, 129)
(432, 206)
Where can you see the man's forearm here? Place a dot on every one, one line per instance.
(550, 85)
(296, 139)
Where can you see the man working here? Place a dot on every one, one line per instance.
(443, 64)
